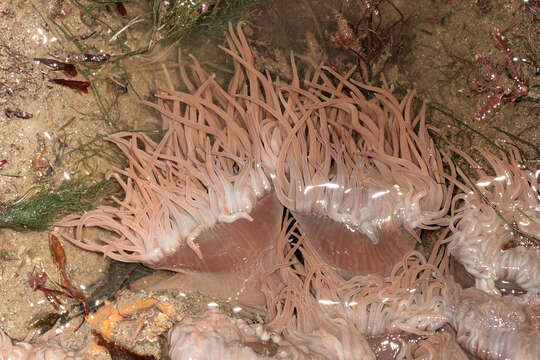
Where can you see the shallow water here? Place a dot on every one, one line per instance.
(433, 52)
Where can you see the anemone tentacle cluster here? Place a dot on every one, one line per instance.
(494, 223)
(354, 168)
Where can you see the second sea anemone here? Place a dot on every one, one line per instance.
(358, 170)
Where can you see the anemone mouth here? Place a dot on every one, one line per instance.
(233, 247)
(352, 252)
(235, 256)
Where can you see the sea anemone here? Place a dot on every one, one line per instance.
(496, 327)
(358, 170)
(214, 335)
(495, 227)
(199, 199)
(41, 350)
(495, 221)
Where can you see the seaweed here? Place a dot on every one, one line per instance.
(192, 22)
(39, 211)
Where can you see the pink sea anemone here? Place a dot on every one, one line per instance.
(495, 327)
(361, 168)
(214, 335)
(358, 170)
(41, 350)
(494, 221)
(495, 227)
(199, 199)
